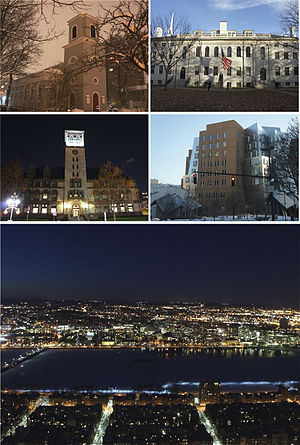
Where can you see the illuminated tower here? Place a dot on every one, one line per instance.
(75, 190)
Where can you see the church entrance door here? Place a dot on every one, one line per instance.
(96, 106)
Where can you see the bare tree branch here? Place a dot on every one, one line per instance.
(290, 16)
(170, 47)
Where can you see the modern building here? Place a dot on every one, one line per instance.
(221, 157)
(172, 202)
(261, 145)
(191, 167)
(80, 82)
(74, 191)
(258, 60)
(232, 175)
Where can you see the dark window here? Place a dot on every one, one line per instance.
(182, 73)
(229, 51)
(198, 51)
(262, 52)
(160, 70)
(93, 31)
(287, 71)
(216, 52)
(215, 70)
(206, 70)
(207, 51)
(184, 51)
(277, 56)
(229, 71)
(295, 71)
(248, 51)
(238, 52)
(285, 55)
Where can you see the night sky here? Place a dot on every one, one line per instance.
(39, 140)
(251, 264)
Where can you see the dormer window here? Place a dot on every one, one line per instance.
(93, 31)
(74, 32)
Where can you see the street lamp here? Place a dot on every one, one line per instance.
(12, 204)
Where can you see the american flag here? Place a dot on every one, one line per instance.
(226, 62)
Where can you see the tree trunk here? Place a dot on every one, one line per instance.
(166, 80)
(8, 90)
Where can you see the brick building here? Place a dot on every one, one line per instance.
(71, 191)
(80, 82)
(220, 155)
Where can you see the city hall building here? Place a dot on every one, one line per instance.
(79, 83)
(72, 191)
(258, 60)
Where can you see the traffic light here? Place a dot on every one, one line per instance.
(195, 178)
(232, 181)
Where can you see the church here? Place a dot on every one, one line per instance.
(75, 191)
(80, 83)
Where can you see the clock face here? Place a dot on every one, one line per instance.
(75, 152)
(74, 138)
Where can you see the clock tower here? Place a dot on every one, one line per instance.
(76, 193)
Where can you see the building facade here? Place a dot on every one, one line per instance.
(81, 82)
(220, 157)
(258, 60)
(232, 171)
(261, 145)
(73, 191)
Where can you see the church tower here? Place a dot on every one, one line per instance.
(76, 198)
(87, 89)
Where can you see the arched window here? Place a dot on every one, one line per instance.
(207, 51)
(262, 52)
(182, 73)
(198, 51)
(216, 52)
(229, 51)
(248, 51)
(238, 52)
(93, 31)
(263, 74)
(74, 32)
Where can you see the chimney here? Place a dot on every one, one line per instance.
(223, 27)
(159, 31)
(292, 31)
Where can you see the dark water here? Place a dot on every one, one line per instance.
(103, 369)
(11, 355)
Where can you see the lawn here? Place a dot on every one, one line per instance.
(192, 99)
